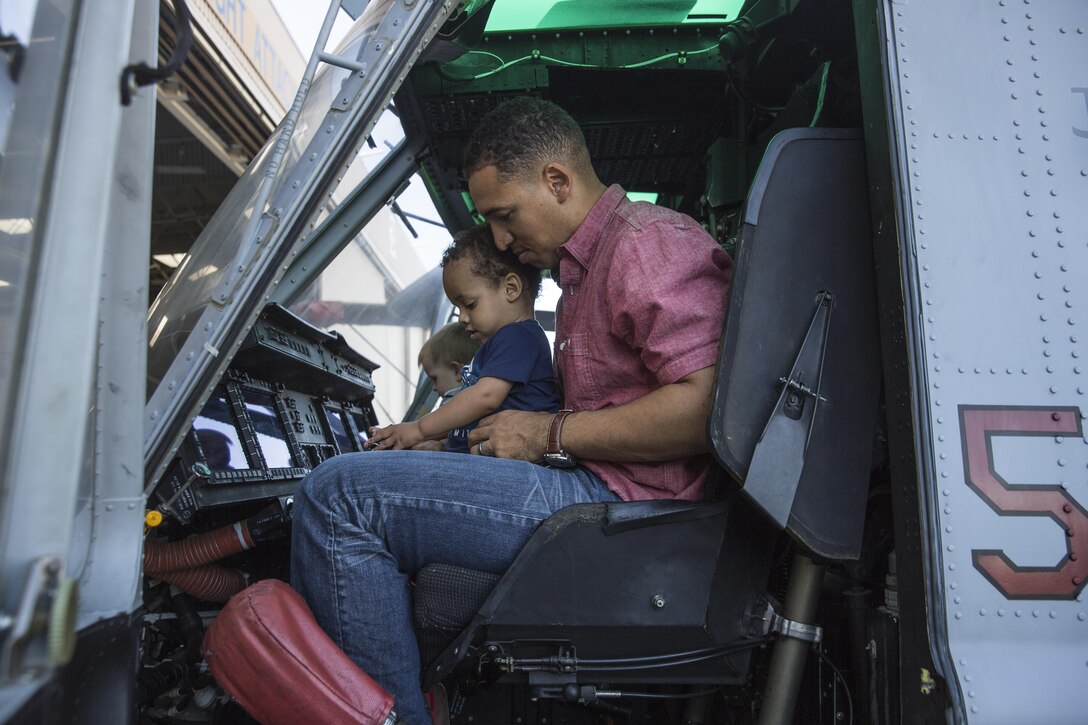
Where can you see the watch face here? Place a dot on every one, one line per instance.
(559, 460)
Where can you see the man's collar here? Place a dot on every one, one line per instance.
(583, 242)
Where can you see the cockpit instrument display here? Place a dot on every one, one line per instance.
(218, 435)
(271, 433)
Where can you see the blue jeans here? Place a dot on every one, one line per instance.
(364, 522)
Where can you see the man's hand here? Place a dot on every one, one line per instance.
(512, 434)
(396, 437)
(663, 425)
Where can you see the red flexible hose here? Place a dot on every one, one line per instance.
(187, 563)
(161, 557)
(209, 582)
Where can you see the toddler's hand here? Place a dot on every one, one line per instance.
(395, 437)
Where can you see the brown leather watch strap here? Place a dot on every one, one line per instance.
(555, 432)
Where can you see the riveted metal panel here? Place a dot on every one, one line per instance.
(993, 116)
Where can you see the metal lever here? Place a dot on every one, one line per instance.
(199, 470)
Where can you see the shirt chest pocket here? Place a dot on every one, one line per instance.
(579, 375)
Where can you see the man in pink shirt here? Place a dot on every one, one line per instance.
(644, 293)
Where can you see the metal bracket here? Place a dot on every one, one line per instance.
(796, 630)
(798, 387)
(779, 455)
(141, 74)
(764, 620)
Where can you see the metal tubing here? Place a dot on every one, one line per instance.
(856, 603)
(788, 661)
(342, 62)
(279, 151)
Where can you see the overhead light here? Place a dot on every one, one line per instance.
(170, 260)
(172, 90)
(16, 226)
(4, 283)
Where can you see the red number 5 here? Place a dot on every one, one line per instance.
(979, 424)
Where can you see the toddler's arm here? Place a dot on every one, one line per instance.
(471, 404)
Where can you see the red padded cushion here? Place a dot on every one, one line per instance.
(267, 651)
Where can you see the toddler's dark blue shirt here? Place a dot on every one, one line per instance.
(518, 353)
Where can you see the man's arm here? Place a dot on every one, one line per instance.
(665, 424)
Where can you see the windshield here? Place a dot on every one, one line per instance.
(33, 50)
(383, 291)
(219, 249)
(200, 317)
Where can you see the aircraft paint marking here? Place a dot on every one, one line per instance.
(978, 426)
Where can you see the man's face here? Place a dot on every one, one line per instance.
(523, 214)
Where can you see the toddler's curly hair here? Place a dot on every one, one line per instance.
(477, 245)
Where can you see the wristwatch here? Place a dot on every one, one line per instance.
(555, 456)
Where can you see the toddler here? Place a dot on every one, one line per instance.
(494, 294)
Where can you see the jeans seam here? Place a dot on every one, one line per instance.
(331, 539)
(396, 499)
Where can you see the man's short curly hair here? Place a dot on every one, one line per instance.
(477, 245)
(522, 134)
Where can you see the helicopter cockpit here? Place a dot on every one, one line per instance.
(260, 368)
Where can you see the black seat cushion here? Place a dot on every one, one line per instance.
(446, 598)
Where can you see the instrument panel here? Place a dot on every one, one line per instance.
(293, 397)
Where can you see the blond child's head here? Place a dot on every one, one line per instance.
(444, 354)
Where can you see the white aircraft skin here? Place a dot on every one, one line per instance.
(992, 135)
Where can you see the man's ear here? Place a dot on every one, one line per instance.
(557, 178)
(512, 286)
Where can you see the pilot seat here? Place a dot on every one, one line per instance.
(609, 601)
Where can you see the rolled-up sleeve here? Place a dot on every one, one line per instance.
(667, 297)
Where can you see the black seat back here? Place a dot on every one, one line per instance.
(804, 272)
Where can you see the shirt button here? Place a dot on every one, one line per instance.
(563, 345)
